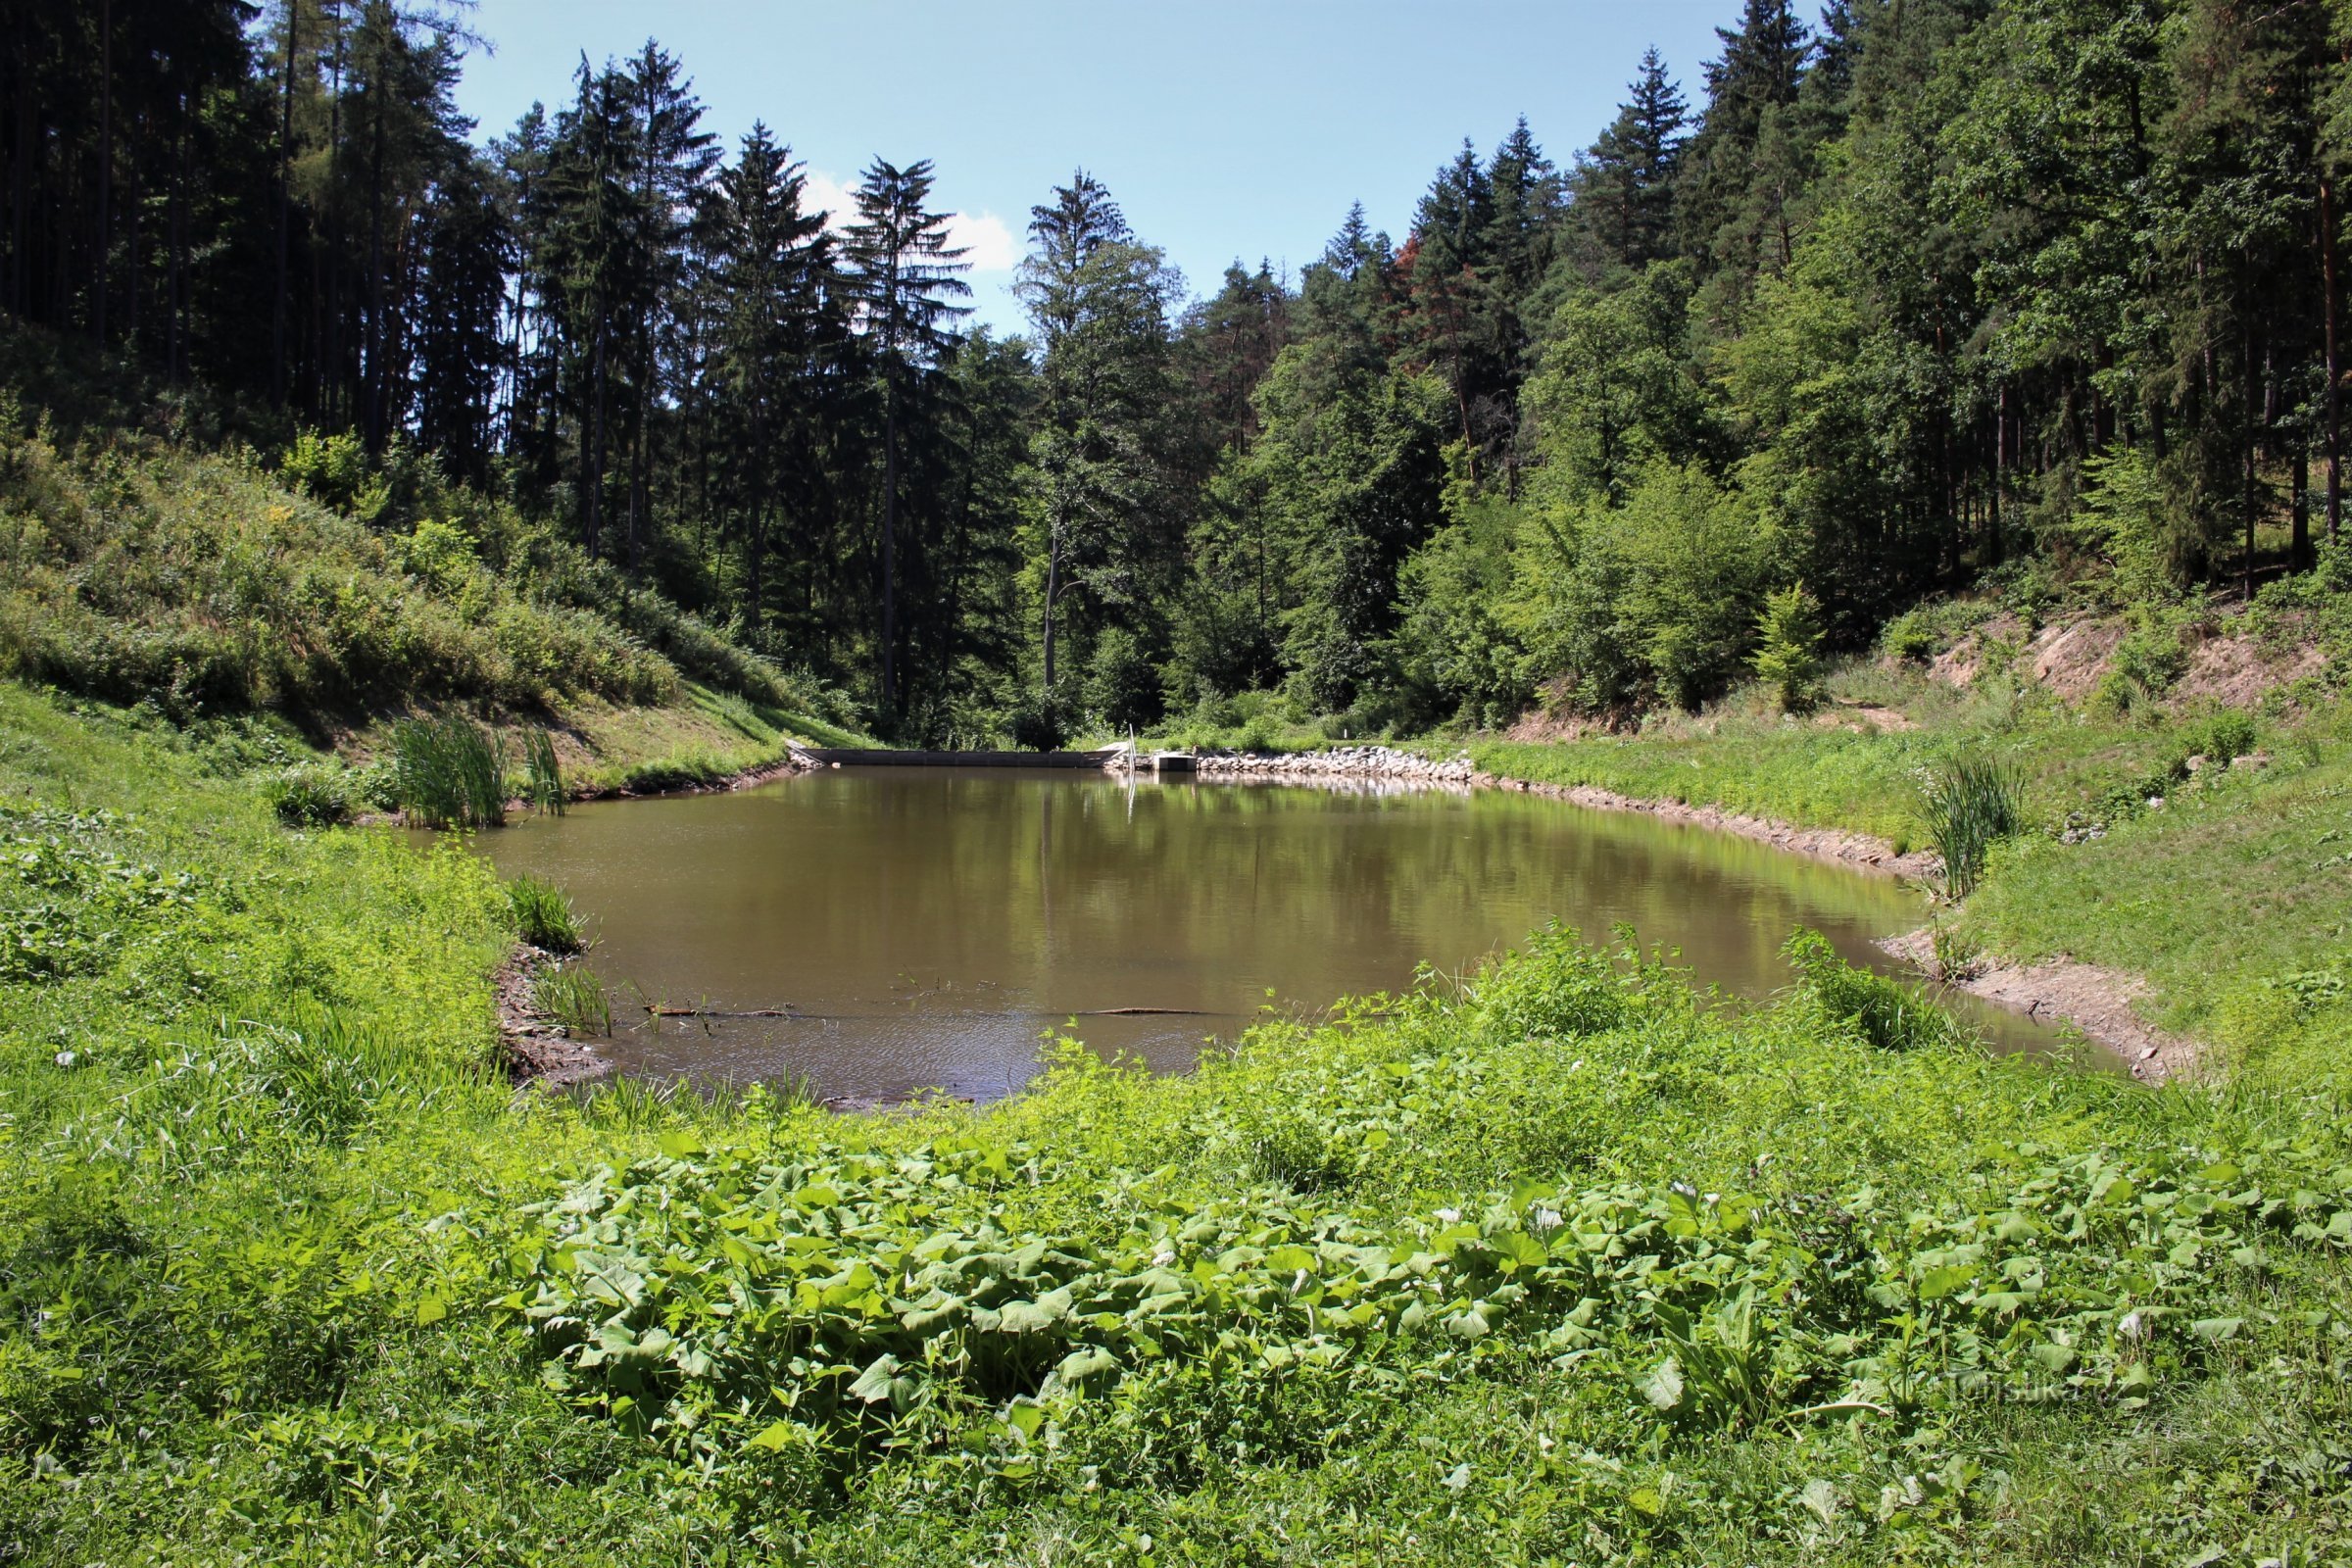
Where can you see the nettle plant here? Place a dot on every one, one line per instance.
(740, 1310)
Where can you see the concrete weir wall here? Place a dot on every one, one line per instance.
(837, 756)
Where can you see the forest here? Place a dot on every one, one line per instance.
(1907, 297)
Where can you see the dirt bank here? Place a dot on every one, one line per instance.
(1822, 843)
(2101, 1003)
(533, 1045)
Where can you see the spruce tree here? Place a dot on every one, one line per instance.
(906, 275)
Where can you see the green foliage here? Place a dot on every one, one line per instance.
(310, 794)
(451, 772)
(543, 787)
(543, 915)
(574, 997)
(1658, 599)
(1705, 1279)
(1890, 1015)
(151, 574)
(1123, 689)
(1967, 804)
(333, 470)
(1788, 654)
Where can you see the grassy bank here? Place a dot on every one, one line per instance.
(2229, 896)
(1556, 1266)
(316, 606)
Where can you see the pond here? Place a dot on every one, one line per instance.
(921, 927)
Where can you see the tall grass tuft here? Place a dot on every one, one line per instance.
(543, 917)
(452, 772)
(1967, 806)
(544, 786)
(573, 996)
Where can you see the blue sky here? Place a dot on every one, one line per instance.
(1224, 128)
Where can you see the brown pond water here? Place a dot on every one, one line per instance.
(925, 925)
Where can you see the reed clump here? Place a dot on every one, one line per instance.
(451, 772)
(543, 776)
(543, 917)
(574, 997)
(1967, 806)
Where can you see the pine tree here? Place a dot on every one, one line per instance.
(906, 273)
(1760, 73)
(1625, 185)
(1098, 298)
(777, 333)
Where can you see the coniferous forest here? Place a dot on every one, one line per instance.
(1882, 302)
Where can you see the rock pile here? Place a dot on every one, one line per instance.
(1343, 762)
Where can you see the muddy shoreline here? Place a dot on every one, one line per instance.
(2098, 1002)
(532, 1047)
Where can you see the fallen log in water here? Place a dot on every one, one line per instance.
(661, 1011)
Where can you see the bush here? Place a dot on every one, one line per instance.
(309, 796)
(1123, 689)
(543, 917)
(1788, 652)
(333, 470)
(1888, 1014)
(2218, 736)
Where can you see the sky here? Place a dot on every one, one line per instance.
(1224, 128)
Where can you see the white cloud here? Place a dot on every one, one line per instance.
(991, 247)
(991, 244)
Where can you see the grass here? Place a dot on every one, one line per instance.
(450, 772)
(574, 998)
(543, 787)
(1967, 806)
(2222, 894)
(1562, 1263)
(543, 915)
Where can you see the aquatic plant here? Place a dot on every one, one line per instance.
(452, 772)
(573, 996)
(543, 917)
(1967, 806)
(543, 788)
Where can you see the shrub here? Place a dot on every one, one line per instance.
(309, 796)
(2218, 736)
(333, 470)
(1123, 689)
(1967, 806)
(1788, 651)
(1888, 1014)
(543, 917)
(452, 772)
(1910, 637)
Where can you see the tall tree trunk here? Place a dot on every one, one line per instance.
(2299, 553)
(2253, 436)
(1052, 589)
(285, 216)
(2335, 368)
(890, 534)
(106, 164)
(594, 456)
(19, 274)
